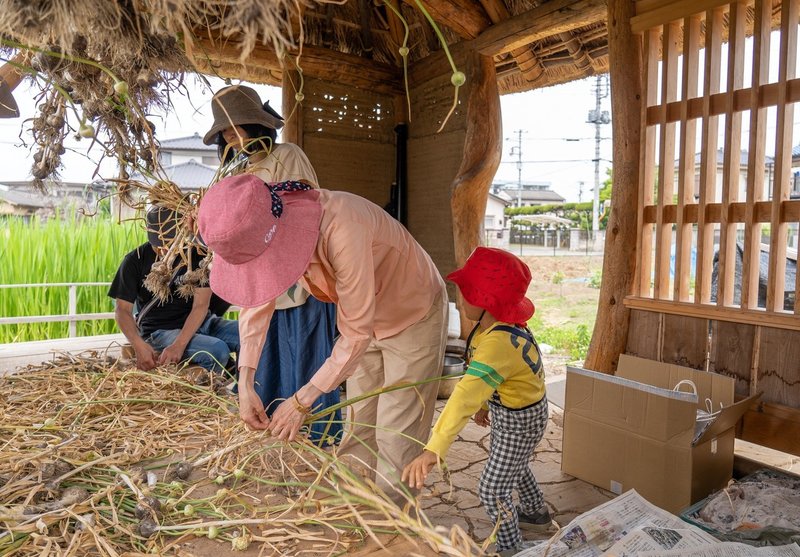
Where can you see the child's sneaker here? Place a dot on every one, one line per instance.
(538, 521)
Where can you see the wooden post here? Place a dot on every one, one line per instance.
(619, 264)
(482, 153)
(292, 108)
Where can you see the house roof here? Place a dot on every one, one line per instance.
(743, 158)
(57, 185)
(187, 175)
(21, 198)
(188, 143)
(545, 196)
(502, 197)
(796, 151)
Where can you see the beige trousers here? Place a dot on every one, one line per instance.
(377, 427)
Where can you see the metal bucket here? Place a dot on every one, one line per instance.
(452, 365)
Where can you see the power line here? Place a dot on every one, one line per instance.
(556, 161)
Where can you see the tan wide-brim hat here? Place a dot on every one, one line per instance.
(237, 105)
(8, 106)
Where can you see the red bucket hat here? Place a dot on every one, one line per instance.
(496, 280)
(262, 235)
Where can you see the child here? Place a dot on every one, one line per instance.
(505, 371)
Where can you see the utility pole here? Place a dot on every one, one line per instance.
(598, 117)
(517, 150)
(580, 191)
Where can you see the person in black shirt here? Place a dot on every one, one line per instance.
(178, 329)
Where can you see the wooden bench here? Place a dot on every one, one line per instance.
(18, 355)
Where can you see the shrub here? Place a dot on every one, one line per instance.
(596, 278)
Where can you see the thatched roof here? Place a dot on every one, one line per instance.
(122, 57)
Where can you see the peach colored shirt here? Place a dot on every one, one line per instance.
(367, 263)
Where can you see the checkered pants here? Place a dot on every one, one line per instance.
(514, 435)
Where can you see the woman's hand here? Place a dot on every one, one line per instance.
(251, 409)
(482, 417)
(417, 470)
(287, 420)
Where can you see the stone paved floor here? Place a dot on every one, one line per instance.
(566, 496)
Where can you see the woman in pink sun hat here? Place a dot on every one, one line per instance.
(390, 299)
(302, 329)
(503, 387)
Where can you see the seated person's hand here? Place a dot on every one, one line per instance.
(172, 354)
(482, 417)
(417, 470)
(146, 357)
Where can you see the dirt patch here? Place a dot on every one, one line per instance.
(562, 290)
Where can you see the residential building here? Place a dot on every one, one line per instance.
(530, 194)
(496, 227)
(186, 161)
(22, 199)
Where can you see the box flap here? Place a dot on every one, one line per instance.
(727, 418)
(717, 388)
(659, 414)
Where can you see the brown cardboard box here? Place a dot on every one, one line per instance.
(633, 431)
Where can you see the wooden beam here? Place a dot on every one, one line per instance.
(744, 99)
(321, 63)
(783, 320)
(732, 156)
(466, 17)
(736, 213)
(756, 153)
(364, 12)
(483, 146)
(576, 51)
(665, 12)
(530, 66)
(610, 334)
(688, 142)
(10, 72)
(666, 161)
(396, 29)
(292, 108)
(647, 158)
(543, 21)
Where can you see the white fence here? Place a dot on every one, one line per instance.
(72, 316)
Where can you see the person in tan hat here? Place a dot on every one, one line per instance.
(301, 332)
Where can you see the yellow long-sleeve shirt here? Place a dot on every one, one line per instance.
(500, 361)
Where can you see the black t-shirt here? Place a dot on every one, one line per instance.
(128, 285)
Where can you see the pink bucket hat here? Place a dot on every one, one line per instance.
(262, 235)
(497, 281)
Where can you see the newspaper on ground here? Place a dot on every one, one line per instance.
(629, 526)
(730, 549)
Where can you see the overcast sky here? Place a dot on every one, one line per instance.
(546, 117)
(557, 143)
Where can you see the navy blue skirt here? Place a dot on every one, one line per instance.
(299, 340)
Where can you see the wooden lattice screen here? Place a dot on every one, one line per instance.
(718, 223)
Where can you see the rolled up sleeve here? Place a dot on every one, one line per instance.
(349, 251)
(253, 327)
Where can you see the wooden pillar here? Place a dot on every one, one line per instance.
(482, 152)
(292, 110)
(619, 263)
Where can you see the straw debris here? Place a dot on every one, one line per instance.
(84, 436)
